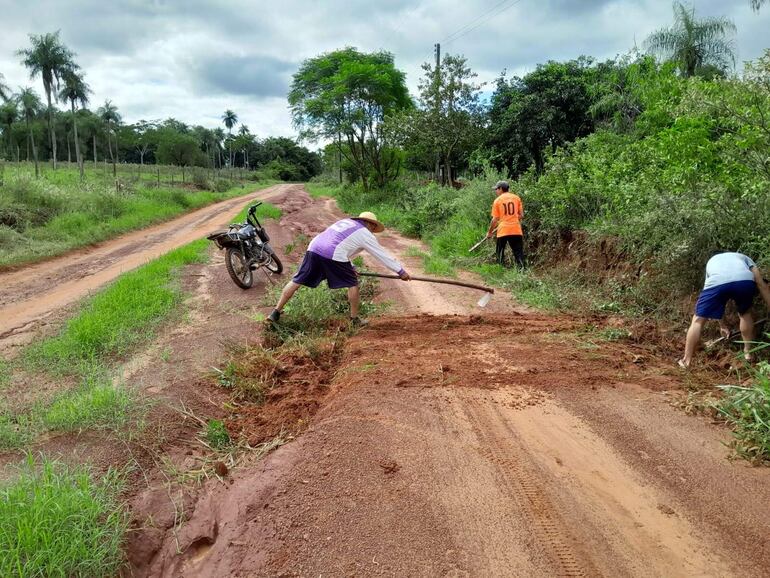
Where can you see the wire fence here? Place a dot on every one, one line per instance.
(125, 173)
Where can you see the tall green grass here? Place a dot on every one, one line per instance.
(747, 410)
(40, 218)
(115, 320)
(58, 521)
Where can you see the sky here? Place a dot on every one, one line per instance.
(192, 59)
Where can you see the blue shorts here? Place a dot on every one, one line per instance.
(314, 269)
(712, 301)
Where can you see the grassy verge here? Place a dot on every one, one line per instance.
(117, 319)
(108, 327)
(747, 410)
(40, 219)
(58, 521)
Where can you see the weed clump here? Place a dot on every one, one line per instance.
(58, 521)
(747, 410)
(216, 434)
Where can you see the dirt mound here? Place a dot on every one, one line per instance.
(361, 492)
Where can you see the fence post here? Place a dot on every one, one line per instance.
(158, 177)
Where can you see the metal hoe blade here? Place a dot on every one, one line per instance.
(484, 300)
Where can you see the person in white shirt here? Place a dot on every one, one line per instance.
(729, 277)
(328, 257)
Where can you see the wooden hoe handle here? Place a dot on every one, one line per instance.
(431, 280)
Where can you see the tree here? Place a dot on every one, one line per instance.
(347, 94)
(695, 45)
(755, 4)
(76, 91)
(145, 137)
(446, 127)
(179, 149)
(111, 118)
(546, 109)
(4, 90)
(219, 138)
(48, 58)
(31, 106)
(9, 112)
(230, 119)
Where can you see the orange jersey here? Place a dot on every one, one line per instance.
(508, 210)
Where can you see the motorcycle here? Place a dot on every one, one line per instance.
(247, 248)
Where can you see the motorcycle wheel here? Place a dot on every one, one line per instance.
(274, 264)
(238, 268)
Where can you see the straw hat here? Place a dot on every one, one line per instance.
(370, 217)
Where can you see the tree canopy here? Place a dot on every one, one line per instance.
(345, 96)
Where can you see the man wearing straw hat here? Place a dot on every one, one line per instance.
(328, 257)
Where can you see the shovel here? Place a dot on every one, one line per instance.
(481, 303)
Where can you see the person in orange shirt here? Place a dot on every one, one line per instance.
(507, 212)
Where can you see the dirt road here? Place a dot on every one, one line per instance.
(465, 443)
(29, 297)
(449, 441)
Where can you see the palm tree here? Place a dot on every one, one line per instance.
(219, 137)
(4, 90)
(9, 112)
(694, 44)
(31, 106)
(75, 90)
(230, 119)
(109, 114)
(49, 58)
(755, 4)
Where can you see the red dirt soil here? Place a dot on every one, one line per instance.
(443, 439)
(467, 442)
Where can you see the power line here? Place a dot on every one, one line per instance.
(496, 11)
(460, 31)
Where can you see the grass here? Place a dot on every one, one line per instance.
(48, 217)
(91, 406)
(58, 521)
(114, 321)
(747, 410)
(94, 404)
(317, 190)
(108, 327)
(216, 434)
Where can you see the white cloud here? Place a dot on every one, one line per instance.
(192, 60)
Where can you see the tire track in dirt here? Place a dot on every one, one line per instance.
(32, 295)
(440, 449)
(498, 444)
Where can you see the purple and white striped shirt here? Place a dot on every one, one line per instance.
(345, 239)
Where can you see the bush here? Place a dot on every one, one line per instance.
(222, 185)
(201, 180)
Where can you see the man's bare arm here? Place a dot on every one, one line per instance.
(492, 226)
(764, 290)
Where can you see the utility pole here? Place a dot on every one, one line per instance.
(437, 48)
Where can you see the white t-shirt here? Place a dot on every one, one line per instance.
(728, 268)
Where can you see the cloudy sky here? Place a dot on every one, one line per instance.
(192, 59)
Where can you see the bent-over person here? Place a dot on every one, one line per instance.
(729, 277)
(328, 258)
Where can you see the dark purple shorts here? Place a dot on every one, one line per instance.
(314, 269)
(712, 301)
